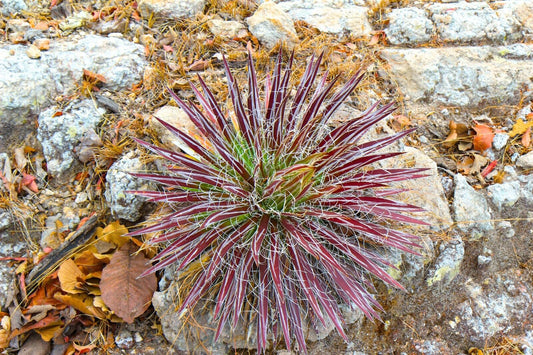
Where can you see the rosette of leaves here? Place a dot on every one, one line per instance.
(284, 214)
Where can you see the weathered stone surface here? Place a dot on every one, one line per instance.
(409, 26)
(525, 161)
(9, 247)
(227, 29)
(476, 21)
(495, 310)
(462, 76)
(472, 212)
(59, 134)
(118, 180)
(521, 10)
(271, 25)
(505, 194)
(12, 7)
(171, 9)
(28, 85)
(448, 263)
(329, 15)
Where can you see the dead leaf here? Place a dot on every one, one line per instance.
(70, 277)
(20, 158)
(520, 126)
(122, 292)
(458, 133)
(48, 333)
(82, 303)
(93, 77)
(483, 138)
(198, 65)
(479, 162)
(465, 165)
(29, 182)
(526, 138)
(113, 233)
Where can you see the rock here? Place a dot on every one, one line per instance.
(448, 263)
(10, 247)
(118, 180)
(271, 25)
(171, 9)
(525, 161)
(472, 212)
(227, 29)
(59, 134)
(500, 140)
(56, 225)
(35, 345)
(330, 16)
(5, 219)
(476, 21)
(43, 44)
(409, 26)
(177, 118)
(426, 192)
(490, 311)
(29, 85)
(462, 76)
(522, 10)
(13, 7)
(124, 339)
(76, 20)
(33, 52)
(504, 194)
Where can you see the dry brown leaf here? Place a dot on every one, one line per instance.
(113, 233)
(458, 133)
(479, 162)
(465, 165)
(122, 292)
(520, 126)
(47, 333)
(82, 303)
(526, 138)
(70, 276)
(198, 65)
(483, 138)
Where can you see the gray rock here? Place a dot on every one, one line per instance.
(409, 25)
(472, 212)
(177, 118)
(329, 15)
(5, 219)
(54, 225)
(489, 312)
(522, 10)
(12, 7)
(448, 263)
(9, 247)
(525, 161)
(500, 140)
(271, 25)
(527, 188)
(59, 134)
(118, 180)
(171, 9)
(460, 76)
(29, 85)
(505, 194)
(476, 21)
(124, 339)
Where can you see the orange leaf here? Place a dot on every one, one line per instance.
(122, 292)
(526, 138)
(89, 75)
(483, 138)
(70, 277)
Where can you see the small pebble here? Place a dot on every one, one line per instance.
(33, 52)
(124, 339)
(138, 338)
(483, 260)
(42, 43)
(500, 140)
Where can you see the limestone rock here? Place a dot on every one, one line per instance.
(329, 15)
(409, 26)
(271, 25)
(171, 9)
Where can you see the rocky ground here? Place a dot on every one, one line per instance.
(79, 79)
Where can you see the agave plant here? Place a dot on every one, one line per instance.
(284, 213)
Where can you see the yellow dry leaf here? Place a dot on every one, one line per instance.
(520, 127)
(47, 333)
(82, 303)
(99, 302)
(113, 233)
(68, 275)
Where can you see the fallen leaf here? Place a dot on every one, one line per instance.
(28, 181)
(458, 133)
(20, 158)
(93, 77)
(520, 127)
(82, 303)
(113, 233)
(122, 291)
(198, 65)
(489, 168)
(483, 138)
(47, 333)
(70, 277)
(479, 162)
(526, 138)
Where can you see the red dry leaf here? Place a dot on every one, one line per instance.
(483, 138)
(526, 138)
(28, 181)
(198, 65)
(122, 291)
